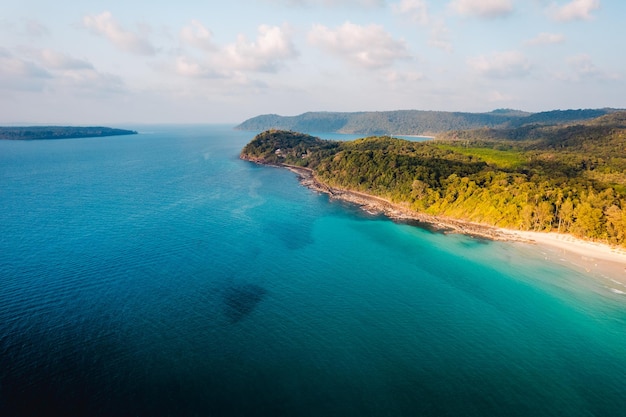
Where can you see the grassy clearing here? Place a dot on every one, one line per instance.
(493, 157)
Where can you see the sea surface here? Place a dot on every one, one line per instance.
(159, 275)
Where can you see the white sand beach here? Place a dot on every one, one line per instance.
(596, 259)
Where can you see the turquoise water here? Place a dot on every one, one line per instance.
(158, 274)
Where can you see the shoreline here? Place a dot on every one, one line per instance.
(594, 258)
(379, 206)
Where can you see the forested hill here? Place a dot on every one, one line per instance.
(413, 122)
(570, 179)
(59, 132)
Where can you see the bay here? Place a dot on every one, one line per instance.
(158, 274)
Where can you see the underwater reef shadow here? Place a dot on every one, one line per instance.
(241, 300)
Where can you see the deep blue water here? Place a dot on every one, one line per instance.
(158, 274)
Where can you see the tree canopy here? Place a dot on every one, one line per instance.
(415, 122)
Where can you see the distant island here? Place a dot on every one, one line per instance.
(59, 132)
(414, 122)
(567, 177)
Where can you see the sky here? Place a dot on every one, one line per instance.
(188, 61)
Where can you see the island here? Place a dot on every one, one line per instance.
(567, 178)
(59, 132)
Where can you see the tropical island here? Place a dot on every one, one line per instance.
(59, 132)
(568, 178)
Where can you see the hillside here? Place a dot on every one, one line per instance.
(413, 122)
(58, 132)
(567, 178)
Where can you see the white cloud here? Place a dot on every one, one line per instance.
(510, 64)
(583, 67)
(271, 48)
(35, 29)
(90, 82)
(188, 67)
(440, 36)
(12, 66)
(416, 10)
(56, 60)
(267, 53)
(482, 8)
(104, 25)
(394, 77)
(46, 69)
(575, 10)
(365, 46)
(546, 39)
(498, 97)
(18, 74)
(197, 35)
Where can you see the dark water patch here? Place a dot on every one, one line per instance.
(66, 369)
(241, 300)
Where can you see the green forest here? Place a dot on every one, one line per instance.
(414, 122)
(569, 178)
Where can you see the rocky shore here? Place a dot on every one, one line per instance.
(398, 212)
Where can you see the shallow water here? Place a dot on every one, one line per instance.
(158, 274)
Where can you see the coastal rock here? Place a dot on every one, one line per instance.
(398, 212)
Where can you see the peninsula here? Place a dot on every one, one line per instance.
(59, 132)
(506, 183)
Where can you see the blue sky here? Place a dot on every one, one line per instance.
(206, 61)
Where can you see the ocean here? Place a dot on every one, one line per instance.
(159, 275)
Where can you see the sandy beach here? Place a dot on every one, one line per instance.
(592, 258)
